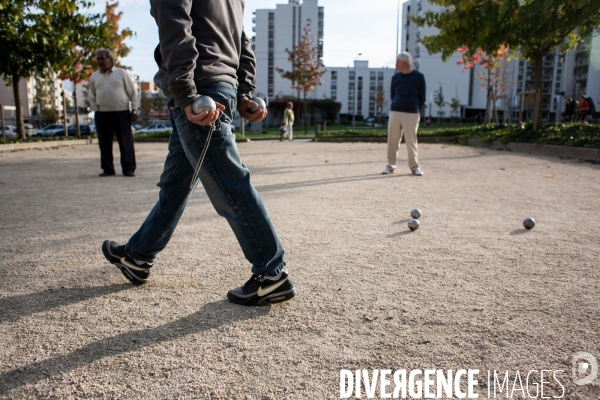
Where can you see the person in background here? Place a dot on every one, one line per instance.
(408, 98)
(288, 120)
(569, 109)
(582, 109)
(113, 96)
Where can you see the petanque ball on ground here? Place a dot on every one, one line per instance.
(416, 213)
(203, 103)
(413, 224)
(261, 105)
(529, 223)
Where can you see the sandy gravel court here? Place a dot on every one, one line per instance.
(470, 289)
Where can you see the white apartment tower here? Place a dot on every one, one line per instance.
(562, 74)
(277, 30)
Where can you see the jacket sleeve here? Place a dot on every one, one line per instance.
(247, 69)
(91, 94)
(422, 91)
(131, 91)
(177, 46)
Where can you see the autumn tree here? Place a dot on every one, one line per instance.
(306, 70)
(380, 100)
(438, 99)
(34, 36)
(116, 38)
(532, 29)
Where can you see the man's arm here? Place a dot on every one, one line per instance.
(246, 72)
(131, 91)
(422, 92)
(92, 95)
(177, 47)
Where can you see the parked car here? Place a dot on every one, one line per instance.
(84, 130)
(10, 131)
(51, 130)
(370, 120)
(29, 130)
(156, 127)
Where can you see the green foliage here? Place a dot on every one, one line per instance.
(530, 28)
(438, 97)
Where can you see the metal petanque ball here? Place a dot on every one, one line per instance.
(261, 105)
(203, 103)
(416, 213)
(529, 223)
(413, 224)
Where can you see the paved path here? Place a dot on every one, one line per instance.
(471, 289)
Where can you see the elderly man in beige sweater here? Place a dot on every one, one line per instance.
(113, 96)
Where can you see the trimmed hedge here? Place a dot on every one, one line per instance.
(569, 134)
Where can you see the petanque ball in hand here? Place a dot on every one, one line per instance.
(416, 213)
(261, 105)
(413, 224)
(203, 103)
(529, 223)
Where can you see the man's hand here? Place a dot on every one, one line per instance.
(205, 118)
(243, 104)
(134, 116)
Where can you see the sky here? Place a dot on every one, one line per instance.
(350, 27)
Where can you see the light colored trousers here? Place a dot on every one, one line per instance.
(290, 131)
(399, 123)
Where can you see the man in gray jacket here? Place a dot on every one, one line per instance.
(204, 51)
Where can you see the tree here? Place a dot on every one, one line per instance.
(34, 40)
(89, 33)
(532, 29)
(306, 70)
(438, 99)
(380, 100)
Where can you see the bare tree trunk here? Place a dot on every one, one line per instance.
(488, 111)
(537, 105)
(17, 95)
(77, 131)
(305, 115)
(495, 110)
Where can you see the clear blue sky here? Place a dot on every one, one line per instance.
(351, 27)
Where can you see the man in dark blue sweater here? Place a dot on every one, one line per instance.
(408, 97)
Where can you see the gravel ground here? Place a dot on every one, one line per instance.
(470, 289)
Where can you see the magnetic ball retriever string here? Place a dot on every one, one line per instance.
(201, 104)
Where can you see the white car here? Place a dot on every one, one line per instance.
(10, 131)
(51, 130)
(155, 128)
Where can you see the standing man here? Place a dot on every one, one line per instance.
(113, 96)
(288, 120)
(408, 97)
(204, 51)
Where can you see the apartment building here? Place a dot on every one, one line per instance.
(562, 75)
(276, 30)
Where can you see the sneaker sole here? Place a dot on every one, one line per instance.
(116, 261)
(263, 301)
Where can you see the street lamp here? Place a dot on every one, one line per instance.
(355, 97)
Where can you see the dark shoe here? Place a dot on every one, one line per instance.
(106, 174)
(135, 271)
(129, 173)
(262, 290)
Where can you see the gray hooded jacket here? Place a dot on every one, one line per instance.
(201, 42)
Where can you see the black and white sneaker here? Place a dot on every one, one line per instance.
(137, 272)
(261, 290)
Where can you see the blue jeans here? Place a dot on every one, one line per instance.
(227, 184)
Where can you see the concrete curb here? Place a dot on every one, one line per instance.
(42, 145)
(580, 153)
(424, 139)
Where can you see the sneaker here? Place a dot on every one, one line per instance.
(137, 272)
(387, 170)
(261, 290)
(418, 172)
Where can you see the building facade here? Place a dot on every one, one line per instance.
(276, 30)
(563, 75)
